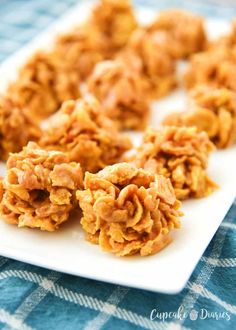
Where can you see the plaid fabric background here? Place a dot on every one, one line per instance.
(35, 298)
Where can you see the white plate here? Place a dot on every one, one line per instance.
(67, 251)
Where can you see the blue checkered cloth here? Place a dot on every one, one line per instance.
(36, 298)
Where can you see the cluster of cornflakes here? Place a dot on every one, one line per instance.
(215, 67)
(81, 49)
(121, 92)
(212, 110)
(16, 127)
(180, 154)
(185, 32)
(43, 83)
(147, 54)
(39, 189)
(116, 20)
(128, 210)
(76, 159)
(81, 131)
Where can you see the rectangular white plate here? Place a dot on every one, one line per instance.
(67, 251)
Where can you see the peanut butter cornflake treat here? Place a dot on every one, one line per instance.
(116, 20)
(121, 92)
(215, 67)
(85, 134)
(43, 83)
(148, 54)
(212, 110)
(39, 188)
(16, 127)
(185, 30)
(128, 210)
(180, 154)
(81, 48)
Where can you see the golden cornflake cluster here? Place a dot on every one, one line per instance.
(127, 210)
(16, 127)
(39, 188)
(44, 82)
(213, 67)
(212, 110)
(116, 20)
(121, 92)
(81, 49)
(85, 135)
(185, 31)
(147, 53)
(180, 154)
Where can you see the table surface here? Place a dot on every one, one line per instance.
(36, 298)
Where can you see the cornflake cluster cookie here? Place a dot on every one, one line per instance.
(85, 135)
(81, 49)
(43, 83)
(39, 188)
(16, 127)
(148, 54)
(212, 110)
(214, 68)
(128, 210)
(180, 154)
(122, 94)
(185, 30)
(116, 20)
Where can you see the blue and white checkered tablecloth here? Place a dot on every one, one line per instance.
(36, 298)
